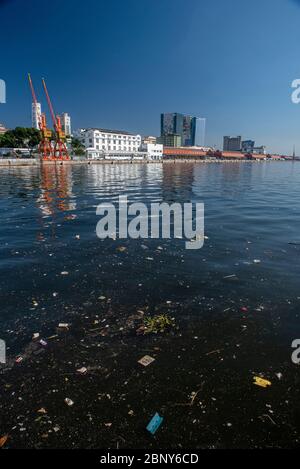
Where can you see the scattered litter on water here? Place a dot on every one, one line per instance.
(42, 411)
(63, 325)
(154, 423)
(36, 335)
(146, 360)
(121, 249)
(69, 402)
(263, 383)
(3, 440)
(82, 370)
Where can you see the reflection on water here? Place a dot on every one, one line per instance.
(48, 226)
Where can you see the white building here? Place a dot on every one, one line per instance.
(103, 143)
(153, 151)
(36, 115)
(66, 124)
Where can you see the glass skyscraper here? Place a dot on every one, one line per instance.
(191, 129)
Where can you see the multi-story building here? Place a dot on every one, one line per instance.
(198, 131)
(170, 140)
(260, 150)
(2, 129)
(66, 124)
(36, 115)
(191, 129)
(232, 143)
(101, 143)
(149, 139)
(247, 146)
(152, 151)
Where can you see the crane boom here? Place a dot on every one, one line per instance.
(32, 89)
(50, 105)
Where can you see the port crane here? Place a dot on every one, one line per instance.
(45, 148)
(60, 151)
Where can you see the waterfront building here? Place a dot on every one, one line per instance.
(2, 129)
(36, 115)
(248, 146)
(66, 124)
(232, 143)
(149, 139)
(191, 129)
(260, 150)
(170, 140)
(101, 143)
(152, 151)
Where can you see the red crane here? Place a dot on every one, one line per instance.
(45, 148)
(60, 148)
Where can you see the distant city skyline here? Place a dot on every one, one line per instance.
(125, 71)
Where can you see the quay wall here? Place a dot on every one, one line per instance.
(34, 162)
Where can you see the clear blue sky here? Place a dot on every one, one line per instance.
(120, 63)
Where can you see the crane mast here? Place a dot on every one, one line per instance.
(45, 148)
(60, 150)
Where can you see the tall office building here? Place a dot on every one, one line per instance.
(190, 129)
(66, 124)
(248, 146)
(198, 131)
(232, 143)
(171, 123)
(36, 115)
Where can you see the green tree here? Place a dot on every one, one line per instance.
(77, 147)
(20, 137)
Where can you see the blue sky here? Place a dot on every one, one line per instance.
(120, 63)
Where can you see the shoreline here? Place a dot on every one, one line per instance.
(34, 162)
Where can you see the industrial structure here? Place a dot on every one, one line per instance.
(49, 149)
(45, 147)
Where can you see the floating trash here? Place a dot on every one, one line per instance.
(3, 440)
(146, 360)
(263, 383)
(63, 325)
(154, 423)
(69, 402)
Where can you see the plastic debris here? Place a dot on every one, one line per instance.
(77, 236)
(19, 359)
(63, 325)
(64, 273)
(257, 261)
(43, 343)
(154, 423)
(36, 335)
(263, 383)
(146, 360)
(42, 411)
(121, 249)
(82, 370)
(3, 440)
(69, 401)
